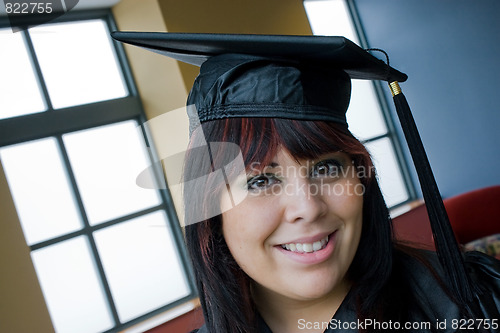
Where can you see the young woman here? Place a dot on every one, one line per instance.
(307, 244)
(313, 235)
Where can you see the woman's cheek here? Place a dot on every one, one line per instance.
(247, 226)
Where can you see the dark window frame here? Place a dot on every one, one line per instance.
(386, 113)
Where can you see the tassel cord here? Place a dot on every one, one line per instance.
(446, 245)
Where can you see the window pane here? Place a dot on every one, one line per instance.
(364, 115)
(71, 288)
(78, 63)
(142, 265)
(19, 91)
(389, 174)
(330, 18)
(40, 189)
(106, 162)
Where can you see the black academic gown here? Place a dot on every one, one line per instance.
(433, 311)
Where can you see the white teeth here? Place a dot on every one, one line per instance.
(306, 247)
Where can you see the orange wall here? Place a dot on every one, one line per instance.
(287, 17)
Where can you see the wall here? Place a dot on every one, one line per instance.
(233, 16)
(158, 78)
(22, 306)
(449, 49)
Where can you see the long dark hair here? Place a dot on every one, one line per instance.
(224, 289)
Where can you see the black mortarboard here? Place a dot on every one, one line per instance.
(295, 77)
(301, 77)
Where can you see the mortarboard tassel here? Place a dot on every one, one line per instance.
(446, 245)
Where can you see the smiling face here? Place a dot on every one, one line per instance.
(296, 233)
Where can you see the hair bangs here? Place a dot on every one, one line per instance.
(301, 139)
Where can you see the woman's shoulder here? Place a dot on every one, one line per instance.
(484, 269)
(426, 279)
(424, 268)
(420, 265)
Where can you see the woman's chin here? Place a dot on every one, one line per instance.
(314, 289)
(311, 295)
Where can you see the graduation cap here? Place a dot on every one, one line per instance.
(307, 78)
(295, 77)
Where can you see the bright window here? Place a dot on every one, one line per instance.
(78, 63)
(104, 160)
(365, 114)
(41, 190)
(18, 79)
(107, 252)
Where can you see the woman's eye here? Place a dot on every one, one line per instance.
(261, 182)
(328, 168)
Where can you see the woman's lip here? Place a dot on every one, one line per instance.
(311, 239)
(311, 258)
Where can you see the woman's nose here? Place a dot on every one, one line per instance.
(303, 201)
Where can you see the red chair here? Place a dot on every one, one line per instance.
(473, 215)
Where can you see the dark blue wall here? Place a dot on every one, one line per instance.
(450, 50)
